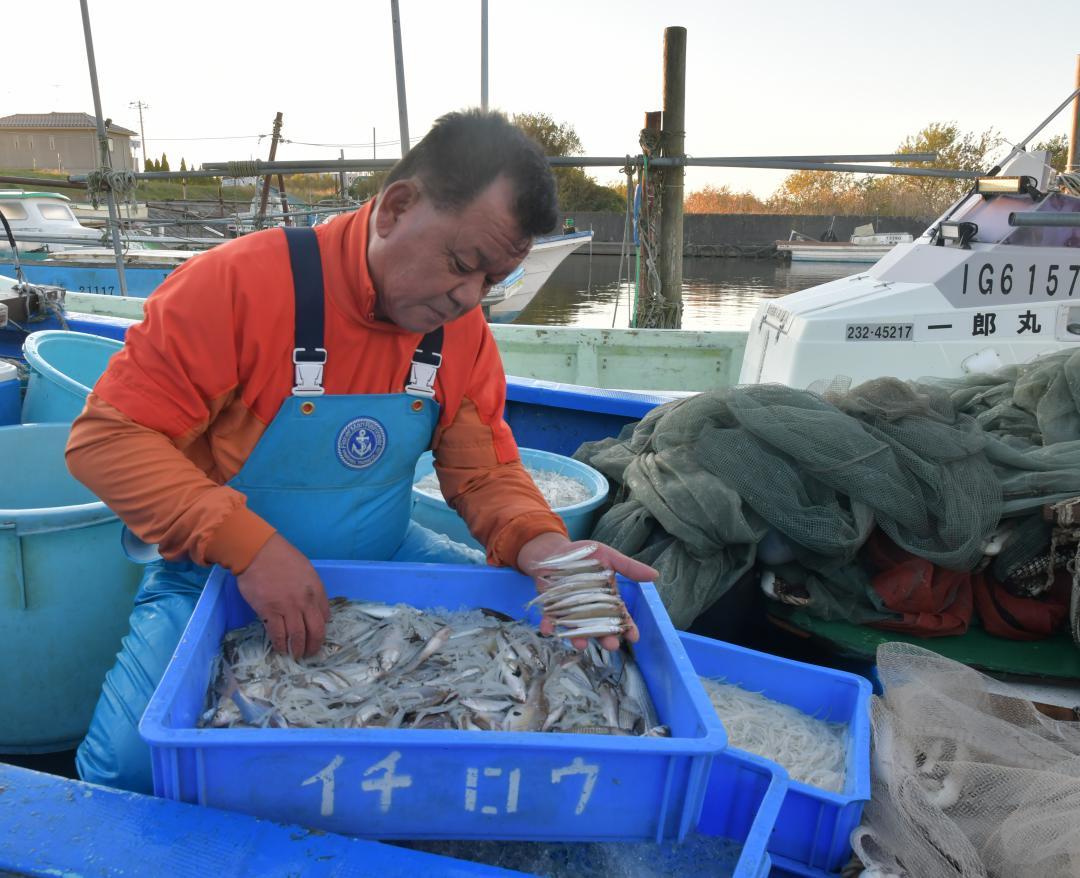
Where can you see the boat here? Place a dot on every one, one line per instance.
(506, 300)
(36, 217)
(865, 245)
(91, 268)
(557, 416)
(978, 290)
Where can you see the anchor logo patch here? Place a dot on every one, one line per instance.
(361, 443)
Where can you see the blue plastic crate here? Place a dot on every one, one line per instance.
(742, 801)
(814, 826)
(394, 783)
(782, 867)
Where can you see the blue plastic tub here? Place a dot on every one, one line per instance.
(393, 783)
(64, 367)
(66, 593)
(434, 513)
(10, 394)
(742, 802)
(814, 826)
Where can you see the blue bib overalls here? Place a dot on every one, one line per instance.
(332, 473)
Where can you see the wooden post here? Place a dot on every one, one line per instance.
(1072, 165)
(673, 144)
(284, 200)
(266, 181)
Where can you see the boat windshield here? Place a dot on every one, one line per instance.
(56, 212)
(991, 215)
(13, 211)
(1049, 236)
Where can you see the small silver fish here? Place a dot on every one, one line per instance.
(577, 554)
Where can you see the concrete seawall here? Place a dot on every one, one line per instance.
(709, 234)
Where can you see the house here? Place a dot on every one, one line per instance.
(61, 141)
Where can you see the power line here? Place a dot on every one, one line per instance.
(237, 137)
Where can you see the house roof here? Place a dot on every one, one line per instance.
(56, 120)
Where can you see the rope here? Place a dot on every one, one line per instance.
(242, 169)
(652, 310)
(624, 250)
(120, 183)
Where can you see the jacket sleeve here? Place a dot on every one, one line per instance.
(159, 493)
(480, 471)
(158, 395)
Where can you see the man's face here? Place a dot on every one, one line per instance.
(429, 266)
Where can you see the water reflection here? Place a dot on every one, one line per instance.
(717, 293)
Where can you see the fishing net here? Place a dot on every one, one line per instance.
(708, 485)
(966, 781)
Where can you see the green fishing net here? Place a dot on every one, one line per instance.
(708, 485)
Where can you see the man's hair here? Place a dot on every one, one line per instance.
(463, 154)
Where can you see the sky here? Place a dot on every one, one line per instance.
(773, 77)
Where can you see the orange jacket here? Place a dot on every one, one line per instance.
(181, 407)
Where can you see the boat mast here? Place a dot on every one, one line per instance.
(1073, 163)
(484, 55)
(103, 149)
(399, 66)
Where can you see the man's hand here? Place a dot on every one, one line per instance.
(287, 595)
(548, 545)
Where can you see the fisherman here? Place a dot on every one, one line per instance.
(272, 405)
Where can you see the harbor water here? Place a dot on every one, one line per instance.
(585, 290)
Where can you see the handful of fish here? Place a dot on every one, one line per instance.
(580, 596)
(397, 667)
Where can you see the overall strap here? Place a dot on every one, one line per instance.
(425, 364)
(309, 355)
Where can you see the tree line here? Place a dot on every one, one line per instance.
(829, 192)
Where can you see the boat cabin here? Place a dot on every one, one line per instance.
(43, 214)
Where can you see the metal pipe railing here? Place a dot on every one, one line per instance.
(832, 162)
(1045, 220)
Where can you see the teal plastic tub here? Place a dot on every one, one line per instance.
(64, 367)
(66, 592)
(425, 783)
(814, 826)
(434, 513)
(10, 394)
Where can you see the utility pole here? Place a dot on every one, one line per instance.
(140, 106)
(399, 65)
(483, 54)
(266, 180)
(673, 145)
(103, 149)
(1072, 164)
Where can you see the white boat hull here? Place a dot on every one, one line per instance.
(802, 251)
(546, 255)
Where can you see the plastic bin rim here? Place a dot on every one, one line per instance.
(153, 730)
(598, 479)
(51, 515)
(860, 725)
(35, 341)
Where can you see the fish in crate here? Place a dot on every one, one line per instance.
(395, 666)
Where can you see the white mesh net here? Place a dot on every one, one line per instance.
(966, 782)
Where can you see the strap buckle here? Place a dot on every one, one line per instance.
(308, 371)
(422, 379)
